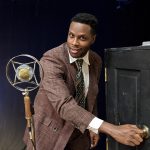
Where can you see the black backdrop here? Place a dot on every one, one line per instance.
(34, 26)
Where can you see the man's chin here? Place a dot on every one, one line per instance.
(75, 55)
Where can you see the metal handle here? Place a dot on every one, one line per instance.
(146, 132)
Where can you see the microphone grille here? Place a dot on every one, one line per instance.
(24, 73)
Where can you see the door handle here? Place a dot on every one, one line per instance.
(146, 132)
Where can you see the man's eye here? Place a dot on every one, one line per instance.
(82, 38)
(71, 35)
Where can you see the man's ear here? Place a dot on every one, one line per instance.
(94, 38)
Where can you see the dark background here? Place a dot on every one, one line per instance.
(34, 26)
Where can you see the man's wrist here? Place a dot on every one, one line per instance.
(106, 128)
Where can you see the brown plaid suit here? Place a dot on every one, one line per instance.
(56, 111)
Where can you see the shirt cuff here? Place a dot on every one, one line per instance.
(95, 125)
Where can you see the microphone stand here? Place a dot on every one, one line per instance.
(29, 118)
(24, 72)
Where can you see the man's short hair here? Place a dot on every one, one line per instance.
(88, 19)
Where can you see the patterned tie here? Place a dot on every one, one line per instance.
(80, 94)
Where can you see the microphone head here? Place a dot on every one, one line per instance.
(24, 73)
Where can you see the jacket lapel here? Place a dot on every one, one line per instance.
(71, 67)
(93, 89)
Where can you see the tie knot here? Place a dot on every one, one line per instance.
(79, 62)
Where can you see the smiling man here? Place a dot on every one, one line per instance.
(65, 105)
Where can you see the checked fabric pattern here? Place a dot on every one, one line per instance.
(80, 95)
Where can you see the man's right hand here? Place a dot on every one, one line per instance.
(125, 134)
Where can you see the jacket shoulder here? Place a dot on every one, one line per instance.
(95, 57)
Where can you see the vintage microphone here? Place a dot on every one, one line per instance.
(23, 73)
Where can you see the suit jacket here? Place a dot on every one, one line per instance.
(56, 111)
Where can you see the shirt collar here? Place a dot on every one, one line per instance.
(85, 58)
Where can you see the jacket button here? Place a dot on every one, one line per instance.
(55, 129)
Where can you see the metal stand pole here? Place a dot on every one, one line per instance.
(29, 118)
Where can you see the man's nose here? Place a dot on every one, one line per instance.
(75, 41)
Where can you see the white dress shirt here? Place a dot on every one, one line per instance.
(96, 122)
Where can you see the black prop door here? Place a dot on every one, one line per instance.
(128, 90)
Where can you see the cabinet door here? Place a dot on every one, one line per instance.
(128, 91)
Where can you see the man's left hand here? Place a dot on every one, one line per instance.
(94, 139)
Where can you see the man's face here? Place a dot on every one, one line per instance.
(79, 39)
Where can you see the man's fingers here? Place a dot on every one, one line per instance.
(135, 140)
(139, 138)
(93, 143)
(137, 129)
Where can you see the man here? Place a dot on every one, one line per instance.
(61, 121)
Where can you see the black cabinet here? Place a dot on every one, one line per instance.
(128, 90)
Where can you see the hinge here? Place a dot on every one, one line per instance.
(106, 77)
(107, 141)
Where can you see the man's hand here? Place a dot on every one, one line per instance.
(126, 134)
(94, 139)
